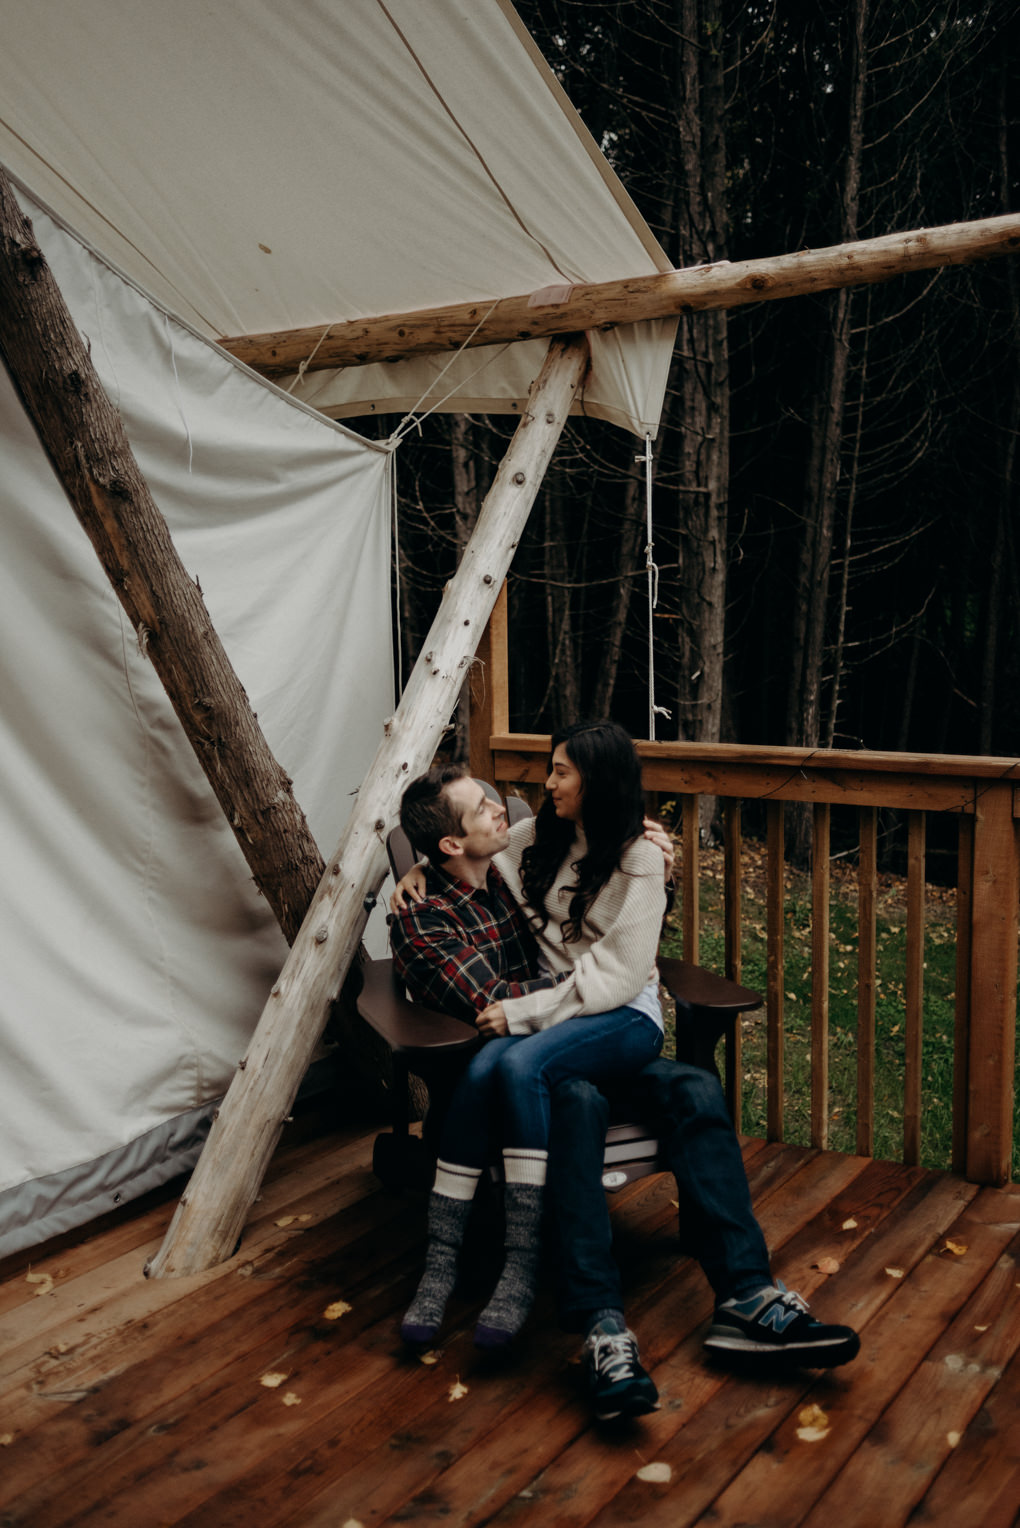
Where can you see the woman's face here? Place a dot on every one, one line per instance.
(565, 785)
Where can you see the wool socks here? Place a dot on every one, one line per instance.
(514, 1295)
(449, 1208)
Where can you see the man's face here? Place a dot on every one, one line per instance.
(484, 828)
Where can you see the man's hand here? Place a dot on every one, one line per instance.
(411, 885)
(492, 1021)
(656, 834)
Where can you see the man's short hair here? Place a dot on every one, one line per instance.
(426, 812)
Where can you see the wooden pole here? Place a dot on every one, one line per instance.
(489, 691)
(209, 1219)
(607, 304)
(82, 434)
(995, 895)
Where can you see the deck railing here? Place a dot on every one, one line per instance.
(980, 793)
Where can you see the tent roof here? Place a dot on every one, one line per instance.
(257, 167)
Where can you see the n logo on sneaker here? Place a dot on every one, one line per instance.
(778, 1317)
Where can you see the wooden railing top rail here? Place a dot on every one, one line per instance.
(950, 765)
(908, 781)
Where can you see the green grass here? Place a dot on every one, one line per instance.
(938, 1021)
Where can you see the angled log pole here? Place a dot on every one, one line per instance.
(209, 1219)
(607, 304)
(82, 434)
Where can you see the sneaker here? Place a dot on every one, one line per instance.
(777, 1321)
(617, 1383)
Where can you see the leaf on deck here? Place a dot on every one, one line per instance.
(814, 1424)
(44, 1281)
(660, 1473)
(273, 1381)
(336, 1310)
(827, 1265)
(457, 1391)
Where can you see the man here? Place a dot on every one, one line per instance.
(463, 949)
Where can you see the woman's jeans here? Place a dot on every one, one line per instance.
(502, 1100)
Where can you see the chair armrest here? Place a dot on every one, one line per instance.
(407, 1026)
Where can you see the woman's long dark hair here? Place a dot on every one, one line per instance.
(612, 813)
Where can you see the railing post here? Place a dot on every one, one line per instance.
(993, 974)
(489, 692)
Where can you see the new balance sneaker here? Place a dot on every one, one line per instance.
(776, 1321)
(617, 1383)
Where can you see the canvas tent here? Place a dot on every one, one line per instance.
(193, 171)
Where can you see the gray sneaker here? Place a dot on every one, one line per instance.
(617, 1384)
(776, 1323)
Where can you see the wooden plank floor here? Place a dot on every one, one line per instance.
(240, 1397)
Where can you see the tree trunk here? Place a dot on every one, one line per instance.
(465, 514)
(83, 437)
(701, 370)
(804, 706)
(209, 1219)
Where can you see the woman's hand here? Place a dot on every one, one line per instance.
(411, 885)
(492, 1021)
(656, 834)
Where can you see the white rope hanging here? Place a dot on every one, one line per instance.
(652, 575)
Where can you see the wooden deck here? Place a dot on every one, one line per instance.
(240, 1397)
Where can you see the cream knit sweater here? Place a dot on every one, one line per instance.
(615, 956)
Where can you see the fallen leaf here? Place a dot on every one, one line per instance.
(431, 1357)
(6, 1439)
(981, 1329)
(304, 1217)
(814, 1424)
(849, 1225)
(957, 1248)
(290, 1399)
(895, 1273)
(827, 1265)
(336, 1310)
(659, 1474)
(273, 1381)
(352, 1522)
(952, 1439)
(44, 1281)
(284, 1220)
(457, 1390)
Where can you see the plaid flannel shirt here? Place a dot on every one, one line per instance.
(461, 949)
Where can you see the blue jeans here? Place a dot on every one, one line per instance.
(507, 1084)
(685, 1107)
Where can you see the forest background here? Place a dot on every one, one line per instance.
(834, 475)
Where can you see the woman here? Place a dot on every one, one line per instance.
(592, 890)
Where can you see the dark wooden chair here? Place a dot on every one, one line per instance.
(434, 1047)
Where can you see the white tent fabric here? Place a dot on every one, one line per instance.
(135, 953)
(259, 167)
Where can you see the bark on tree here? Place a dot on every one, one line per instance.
(83, 437)
(804, 706)
(463, 457)
(209, 1219)
(701, 371)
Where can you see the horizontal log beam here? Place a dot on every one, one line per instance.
(607, 304)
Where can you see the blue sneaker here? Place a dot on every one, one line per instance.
(617, 1383)
(776, 1322)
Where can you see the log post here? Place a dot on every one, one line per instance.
(607, 304)
(209, 1219)
(82, 434)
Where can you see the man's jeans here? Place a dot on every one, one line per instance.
(507, 1084)
(685, 1107)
